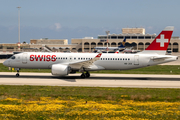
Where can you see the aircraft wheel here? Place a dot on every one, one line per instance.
(17, 75)
(87, 74)
(83, 75)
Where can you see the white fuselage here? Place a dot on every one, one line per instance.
(43, 60)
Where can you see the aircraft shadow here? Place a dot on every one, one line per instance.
(74, 78)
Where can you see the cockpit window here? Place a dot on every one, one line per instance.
(13, 57)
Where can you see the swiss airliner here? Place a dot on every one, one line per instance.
(62, 64)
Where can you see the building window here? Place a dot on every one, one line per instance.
(147, 37)
(134, 37)
(120, 37)
(113, 37)
(141, 37)
(127, 37)
(10, 47)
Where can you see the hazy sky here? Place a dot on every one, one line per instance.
(66, 19)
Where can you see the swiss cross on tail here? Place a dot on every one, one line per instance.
(161, 42)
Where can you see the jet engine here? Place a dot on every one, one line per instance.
(60, 70)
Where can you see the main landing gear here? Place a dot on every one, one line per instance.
(87, 74)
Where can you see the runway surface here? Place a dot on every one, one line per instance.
(96, 80)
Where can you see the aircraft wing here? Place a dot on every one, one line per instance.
(84, 64)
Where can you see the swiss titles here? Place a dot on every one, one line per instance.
(47, 58)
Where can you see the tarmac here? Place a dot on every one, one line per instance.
(95, 80)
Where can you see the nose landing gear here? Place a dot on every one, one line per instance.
(17, 75)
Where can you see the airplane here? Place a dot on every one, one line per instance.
(121, 47)
(62, 64)
(130, 50)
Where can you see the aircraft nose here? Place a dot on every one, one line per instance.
(5, 63)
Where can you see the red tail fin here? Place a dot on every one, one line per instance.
(161, 42)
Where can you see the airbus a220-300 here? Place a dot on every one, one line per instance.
(62, 64)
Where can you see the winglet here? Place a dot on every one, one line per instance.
(99, 55)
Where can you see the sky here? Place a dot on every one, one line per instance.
(67, 19)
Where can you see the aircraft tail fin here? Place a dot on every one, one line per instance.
(123, 43)
(161, 42)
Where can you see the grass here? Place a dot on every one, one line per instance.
(90, 93)
(56, 102)
(157, 69)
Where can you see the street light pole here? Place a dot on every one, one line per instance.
(107, 32)
(18, 28)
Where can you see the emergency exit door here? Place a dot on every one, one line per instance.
(136, 60)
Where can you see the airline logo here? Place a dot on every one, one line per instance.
(123, 43)
(47, 58)
(99, 55)
(162, 40)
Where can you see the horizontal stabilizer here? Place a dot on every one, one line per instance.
(159, 58)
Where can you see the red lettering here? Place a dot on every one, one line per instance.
(31, 57)
(44, 57)
(41, 57)
(53, 58)
(48, 58)
(36, 58)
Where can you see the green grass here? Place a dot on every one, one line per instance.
(157, 69)
(92, 100)
(89, 93)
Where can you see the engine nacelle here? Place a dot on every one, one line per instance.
(60, 70)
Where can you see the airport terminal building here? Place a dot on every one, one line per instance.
(135, 37)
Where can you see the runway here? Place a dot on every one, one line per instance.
(96, 80)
